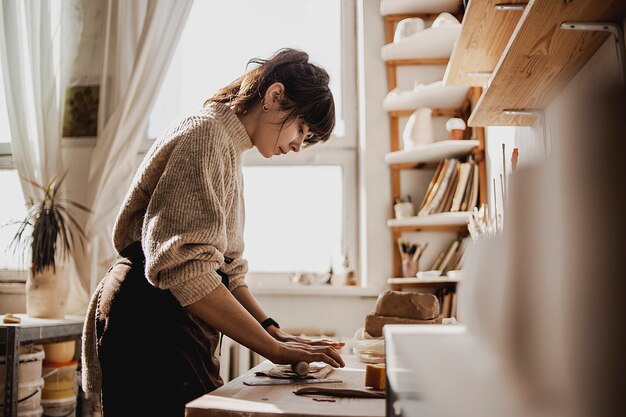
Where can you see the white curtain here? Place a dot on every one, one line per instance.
(140, 40)
(30, 48)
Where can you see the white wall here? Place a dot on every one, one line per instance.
(600, 71)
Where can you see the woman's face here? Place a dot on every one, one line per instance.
(272, 137)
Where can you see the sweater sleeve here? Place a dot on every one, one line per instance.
(184, 230)
(237, 269)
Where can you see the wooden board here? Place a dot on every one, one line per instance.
(484, 36)
(541, 58)
(236, 399)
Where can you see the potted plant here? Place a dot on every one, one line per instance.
(48, 233)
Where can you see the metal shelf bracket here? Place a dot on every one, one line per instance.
(511, 6)
(614, 29)
(540, 114)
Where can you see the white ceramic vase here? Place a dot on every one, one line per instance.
(46, 293)
(419, 129)
(408, 27)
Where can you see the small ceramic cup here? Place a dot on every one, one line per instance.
(403, 210)
(409, 268)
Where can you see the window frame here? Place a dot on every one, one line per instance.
(7, 164)
(6, 156)
(340, 150)
(324, 155)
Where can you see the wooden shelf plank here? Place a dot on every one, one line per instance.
(418, 61)
(484, 36)
(436, 113)
(452, 220)
(541, 58)
(416, 282)
(433, 152)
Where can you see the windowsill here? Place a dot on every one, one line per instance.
(313, 290)
(11, 275)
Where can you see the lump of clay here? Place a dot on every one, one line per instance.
(408, 305)
(374, 324)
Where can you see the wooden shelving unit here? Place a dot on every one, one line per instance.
(429, 157)
(539, 59)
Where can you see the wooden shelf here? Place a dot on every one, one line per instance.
(411, 7)
(541, 58)
(439, 221)
(484, 36)
(434, 152)
(421, 282)
(435, 113)
(418, 61)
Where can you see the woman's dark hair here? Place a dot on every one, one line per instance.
(306, 93)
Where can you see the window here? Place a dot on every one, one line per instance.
(300, 208)
(12, 207)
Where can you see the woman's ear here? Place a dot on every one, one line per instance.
(274, 93)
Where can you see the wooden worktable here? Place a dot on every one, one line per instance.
(236, 399)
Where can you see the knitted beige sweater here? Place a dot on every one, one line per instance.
(185, 205)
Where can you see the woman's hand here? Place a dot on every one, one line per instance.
(281, 336)
(290, 353)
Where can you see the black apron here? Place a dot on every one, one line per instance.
(155, 356)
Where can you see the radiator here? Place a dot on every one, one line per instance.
(236, 359)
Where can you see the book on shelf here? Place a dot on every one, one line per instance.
(445, 296)
(465, 201)
(473, 196)
(454, 305)
(454, 187)
(451, 257)
(457, 260)
(440, 257)
(446, 201)
(434, 185)
(444, 266)
(465, 170)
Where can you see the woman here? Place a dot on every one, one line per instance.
(153, 325)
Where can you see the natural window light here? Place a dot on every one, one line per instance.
(11, 209)
(5, 132)
(213, 51)
(296, 220)
(279, 192)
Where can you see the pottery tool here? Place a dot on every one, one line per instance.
(340, 392)
(300, 368)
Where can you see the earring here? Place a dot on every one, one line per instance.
(265, 108)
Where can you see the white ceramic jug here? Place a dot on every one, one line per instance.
(419, 129)
(408, 27)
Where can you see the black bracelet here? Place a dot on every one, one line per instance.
(269, 322)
